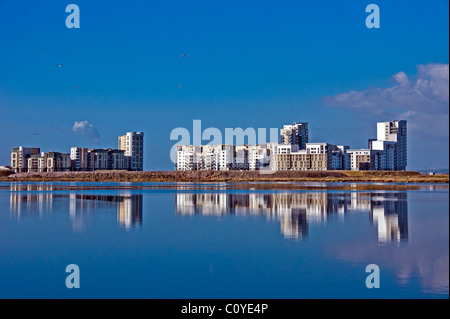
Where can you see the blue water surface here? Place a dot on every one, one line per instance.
(212, 241)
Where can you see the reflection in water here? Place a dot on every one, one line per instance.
(423, 261)
(296, 211)
(391, 217)
(129, 207)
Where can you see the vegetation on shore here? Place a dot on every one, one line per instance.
(229, 176)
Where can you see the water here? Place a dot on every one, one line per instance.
(223, 241)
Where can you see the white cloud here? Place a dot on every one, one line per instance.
(87, 129)
(423, 101)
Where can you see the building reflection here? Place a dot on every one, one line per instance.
(129, 207)
(80, 206)
(296, 212)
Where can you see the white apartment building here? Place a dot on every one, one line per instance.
(186, 157)
(359, 159)
(133, 145)
(226, 157)
(395, 131)
(215, 157)
(294, 152)
(258, 157)
(295, 134)
(208, 157)
(318, 148)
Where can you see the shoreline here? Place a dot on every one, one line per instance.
(229, 176)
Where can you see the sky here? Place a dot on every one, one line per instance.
(260, 64)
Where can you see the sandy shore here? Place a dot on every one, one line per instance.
(230, 176)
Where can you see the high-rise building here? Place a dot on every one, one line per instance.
(133, 145)
(295, 134)
(395, 131)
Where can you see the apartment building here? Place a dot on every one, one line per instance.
(320, 155)
(129, 156)
(270, 156)
(37, 163)
(299, 160)
(280, 149)
(258, 157)
(395, 131)
(340, 159)
(186, 157)
(133, 145)
(19, 157)
(82, 159)
(241, 158)
(207, 157)
(383, 155)
(58, 162)
(295, 134)
(316, 156)
(117, 160)
(48, 162)
(215, 157)
(360, 159)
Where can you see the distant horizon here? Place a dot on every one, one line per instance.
(424, 169)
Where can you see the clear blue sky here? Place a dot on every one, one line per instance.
(249, 64)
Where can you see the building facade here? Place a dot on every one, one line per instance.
(383, 155)
(82, 159)
(58, 162)
(360, 159)
(19, 158)
(316, 156)
(133, 145)
(295, 134)
(395, 131)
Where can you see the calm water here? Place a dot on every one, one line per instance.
(214, 241)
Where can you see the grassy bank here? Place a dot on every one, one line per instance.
(231, 176)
